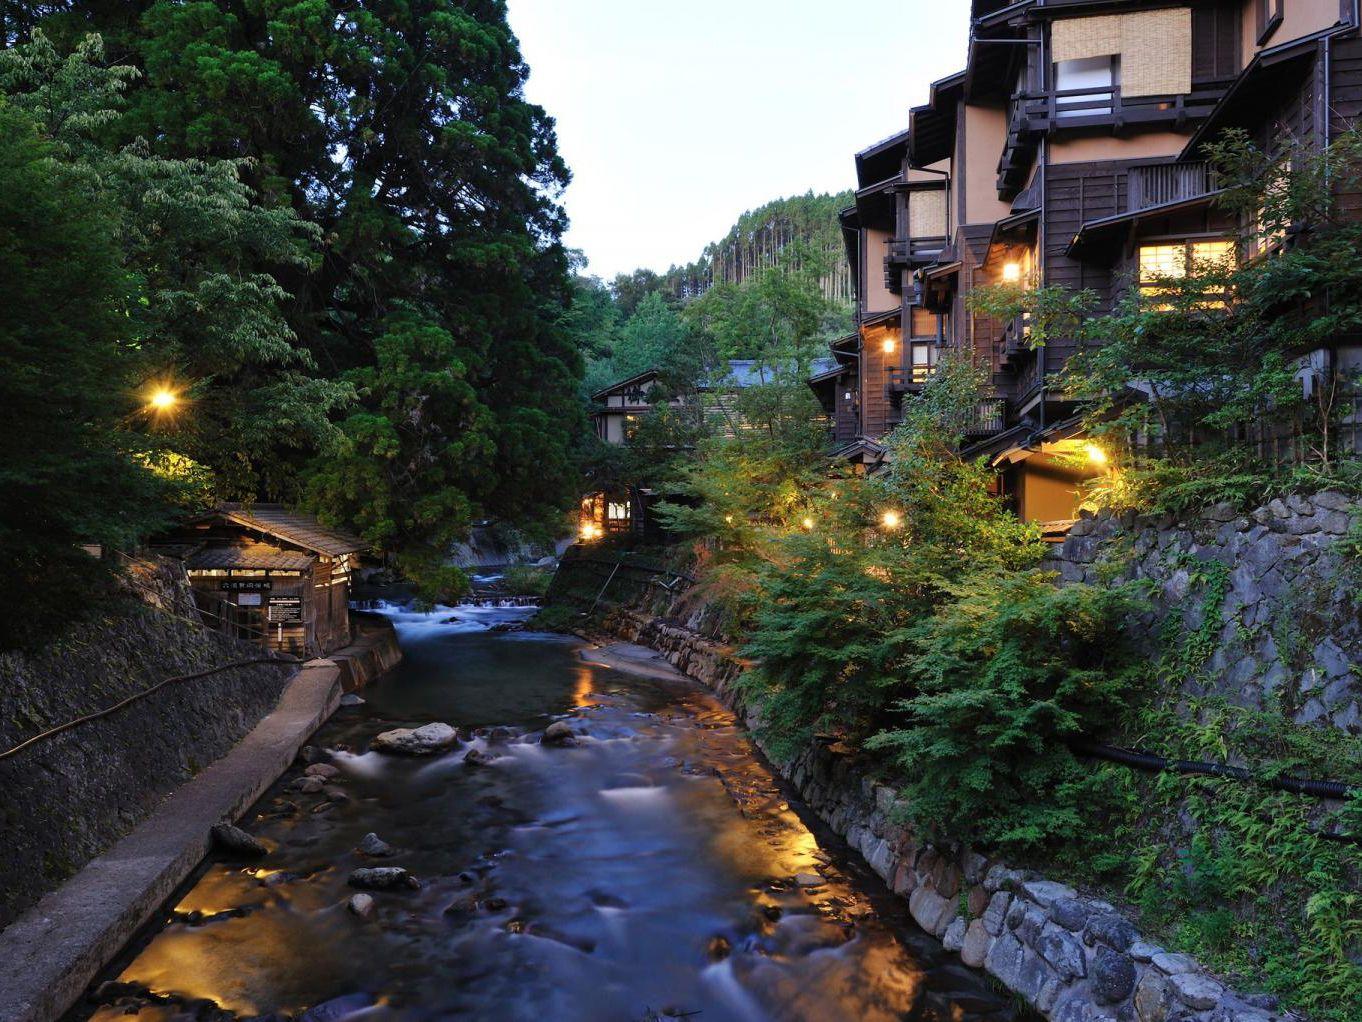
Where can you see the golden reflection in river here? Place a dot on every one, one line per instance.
(584, 686)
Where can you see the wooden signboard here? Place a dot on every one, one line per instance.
(285, 609)
(246, 585)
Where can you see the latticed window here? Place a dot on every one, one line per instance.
(617, 512)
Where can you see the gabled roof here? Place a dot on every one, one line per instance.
(299, 529)
(932, 126)
(882, 160)
(646, 376)
(750, 373)
(876, 318)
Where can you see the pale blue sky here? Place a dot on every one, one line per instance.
(677, 117)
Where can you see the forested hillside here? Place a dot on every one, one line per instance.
(755, 243)
(783, 256)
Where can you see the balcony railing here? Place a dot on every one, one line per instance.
(990, 417)
(915, 251)
(907, 381)
(1031, 115)
(1167, 182)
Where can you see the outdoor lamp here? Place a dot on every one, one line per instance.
(1012, 273)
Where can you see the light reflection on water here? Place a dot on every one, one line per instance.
(647, 869)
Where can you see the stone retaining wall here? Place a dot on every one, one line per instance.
(1288, 633)
(66, 800)
(1073, 957)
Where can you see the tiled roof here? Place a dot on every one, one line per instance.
(248, 555)
(298, 529)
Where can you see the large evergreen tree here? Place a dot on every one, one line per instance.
(400, 131)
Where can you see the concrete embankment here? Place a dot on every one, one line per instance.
(50, 955)
(148, 843)
(1072, 956)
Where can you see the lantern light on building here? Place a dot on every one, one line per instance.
(1012, 273)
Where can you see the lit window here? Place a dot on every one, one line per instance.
(617, 512)
(924, 362)
(630, 426)
(1176, 259)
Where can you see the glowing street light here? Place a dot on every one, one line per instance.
(891, 519)
(1096, 455)
(808, 524)
(163, 399)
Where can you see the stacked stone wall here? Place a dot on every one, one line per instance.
(1287, 634)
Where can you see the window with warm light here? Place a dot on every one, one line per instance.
(1173, 260)
(617, 512)
(923, 361)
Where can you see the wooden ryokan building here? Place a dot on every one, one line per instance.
(1065, 153)
(269, 575)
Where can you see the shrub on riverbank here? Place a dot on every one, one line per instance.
(1005, 674)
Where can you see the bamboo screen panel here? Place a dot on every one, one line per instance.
(927, 214)
(1155, 47)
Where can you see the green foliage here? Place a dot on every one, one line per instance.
(73, 466)
(526, 580)
(1256, 891)
(399, 473)
(842, 593)
(1213, 356)
(184, 229)
(429, 188)
(1005, 673)
(1049, 312)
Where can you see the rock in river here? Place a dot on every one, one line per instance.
(559, 733)
(374, 846)
(236, 841)
(361, 905)
(422, 741)
(383, 878)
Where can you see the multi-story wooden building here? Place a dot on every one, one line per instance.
(1066, 153)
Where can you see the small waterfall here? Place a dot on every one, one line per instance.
(501, 601)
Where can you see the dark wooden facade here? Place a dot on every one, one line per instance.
(1059, 172)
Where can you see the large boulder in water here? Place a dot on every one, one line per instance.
(421, 741)
(559, 733)
(383, 878)
(235, 841)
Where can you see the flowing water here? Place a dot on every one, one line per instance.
(646, 873)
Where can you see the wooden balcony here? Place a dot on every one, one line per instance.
(1032, 115)
(913, 252)
(1161, 183)
(990, 418)
(906, 381)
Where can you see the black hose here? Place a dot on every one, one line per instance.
(141, 695)
(1159, 764)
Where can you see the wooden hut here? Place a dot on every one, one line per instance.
(272, 575)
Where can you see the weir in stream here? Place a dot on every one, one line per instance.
(656, 869)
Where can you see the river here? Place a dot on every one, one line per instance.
(646, 873)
